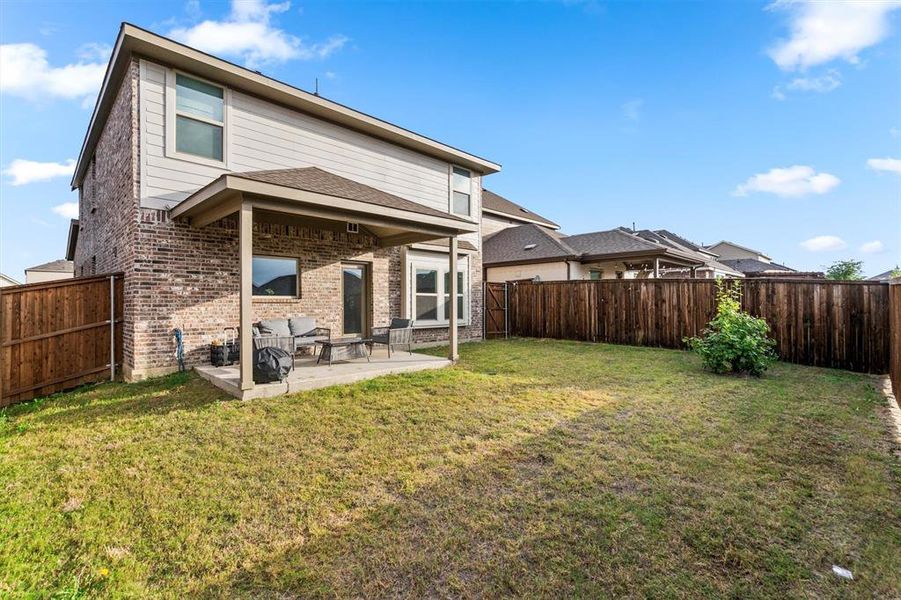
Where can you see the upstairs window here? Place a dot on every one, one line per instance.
(199, 118)
(461, 192)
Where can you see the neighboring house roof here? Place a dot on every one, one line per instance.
(526, 243)
(745, 248)
(316, 180)
(533, 243)
(133, 40)
(887, 276)
(682, 241)
(615, 241)
(496, 203)
(54, 266)
(9, 280)
(752, 265)
(72, 242)
(662, 236)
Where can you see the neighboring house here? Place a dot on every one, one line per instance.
(500, 213)
(536, 252)
(227, 197)
(887, 276)
(6, 280)
(51, 271)
(747, 260)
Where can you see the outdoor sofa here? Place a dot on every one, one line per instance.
(291, 334)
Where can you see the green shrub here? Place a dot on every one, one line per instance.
(734, 341)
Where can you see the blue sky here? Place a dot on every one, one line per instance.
(777, 126)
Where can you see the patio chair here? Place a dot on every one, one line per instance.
(398, 333)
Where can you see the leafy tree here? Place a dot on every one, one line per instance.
(734, 341)
(896, 272)
(845, 270)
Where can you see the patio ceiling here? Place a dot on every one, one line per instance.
(317, 194)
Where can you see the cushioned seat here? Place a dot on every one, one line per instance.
(277, 332)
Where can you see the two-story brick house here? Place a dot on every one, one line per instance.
(226, 196)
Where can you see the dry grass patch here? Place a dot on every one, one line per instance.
(531, 469)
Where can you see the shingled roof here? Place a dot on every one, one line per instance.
(497, 203)
(56, 266)
(525, 243)
(752, 265)
(316, 180)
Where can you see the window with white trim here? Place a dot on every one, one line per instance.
(461, 192)
(199, 118)
(430, 291)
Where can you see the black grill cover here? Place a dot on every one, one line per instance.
(271, 364)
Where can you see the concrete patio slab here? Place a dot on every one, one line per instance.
(307, 375)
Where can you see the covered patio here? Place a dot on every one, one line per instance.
(312, 195)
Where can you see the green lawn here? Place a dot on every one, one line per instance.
(531, 469)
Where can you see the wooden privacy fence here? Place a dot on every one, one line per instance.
(815, 322)
(58, 335)
(895, 343)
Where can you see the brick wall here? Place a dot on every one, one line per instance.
(108, 200)
(188, 278)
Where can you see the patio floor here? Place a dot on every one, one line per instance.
(307, 375)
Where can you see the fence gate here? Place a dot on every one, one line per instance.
(58, 335)
(496, 318)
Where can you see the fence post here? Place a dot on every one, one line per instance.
(112, 327)
(506, 313)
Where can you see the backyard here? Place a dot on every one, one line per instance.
(532, 468)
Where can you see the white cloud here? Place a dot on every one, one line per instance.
(68, 210)
(790, 182)
(632, 109)
(892, 165)
(25, 72)
(825, 31)
(821, 84)
(28, 171)
(248, 34)
(873, 247)
(823, 243)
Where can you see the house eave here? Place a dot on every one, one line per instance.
(524, 220)
(224, 195)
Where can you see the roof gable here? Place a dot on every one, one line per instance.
(133, 40)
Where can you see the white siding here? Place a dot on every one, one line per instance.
(262, 135)
(554, 271)
(41, 276)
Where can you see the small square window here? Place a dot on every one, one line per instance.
(275, 277)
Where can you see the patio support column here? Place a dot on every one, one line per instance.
(656, 268)
(452, 304)
(245, 243)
